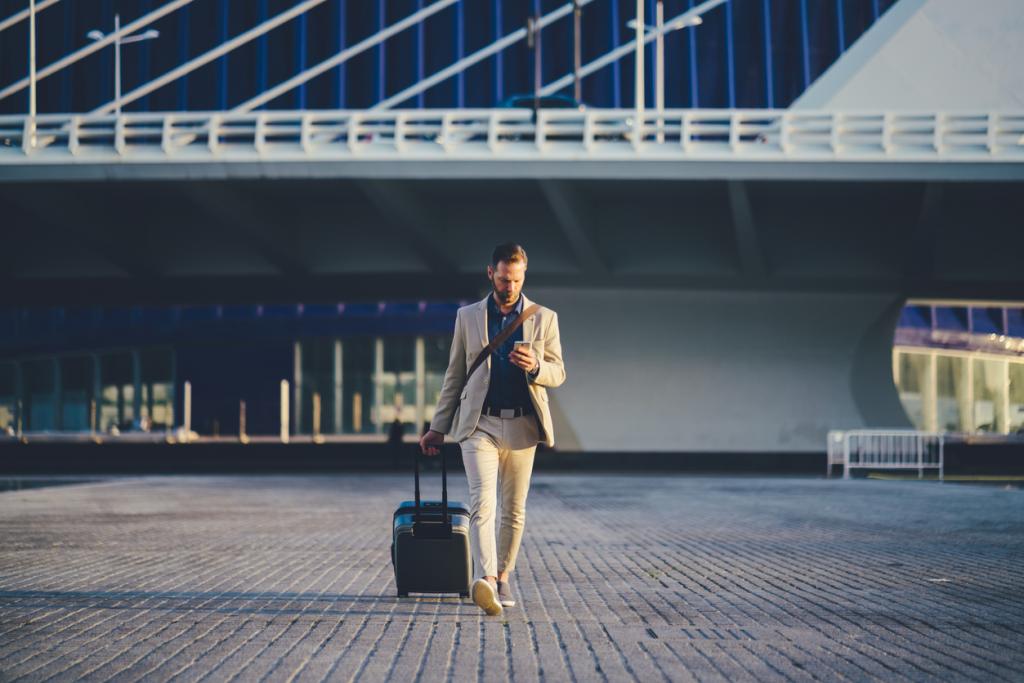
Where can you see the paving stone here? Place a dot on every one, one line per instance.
(621, 577)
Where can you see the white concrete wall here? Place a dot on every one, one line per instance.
(928, 55)
(721, 371)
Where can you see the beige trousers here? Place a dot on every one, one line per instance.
(499, 454)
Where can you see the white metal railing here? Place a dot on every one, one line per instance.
(503, 133)
(886, 449)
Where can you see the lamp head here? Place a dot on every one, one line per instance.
(94, 35)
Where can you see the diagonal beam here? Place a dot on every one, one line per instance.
(95, 45)
(23, 14)
(570, 215)
(404, 215)
(209, 56)
(629, 48)
(481, 54)
(342, 56)
(237, 218)
(752, 261)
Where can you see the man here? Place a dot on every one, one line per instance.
(500, 416)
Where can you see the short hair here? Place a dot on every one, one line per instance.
(509, 252)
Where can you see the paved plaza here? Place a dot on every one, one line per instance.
(621, 578)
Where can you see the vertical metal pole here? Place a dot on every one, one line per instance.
(117, 63)
(97, 389)
(316, 417)
(136, 386)
(421, 384)
(577, 53)
(284, 411)
(58, 389)
(243, 437)
(537, 56)
(32, 71)
(297, 377)
(659, 64)
(338, 394)
(378, 384)
(638, 91)
(188, 411)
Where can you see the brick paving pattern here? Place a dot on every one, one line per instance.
(621, 578)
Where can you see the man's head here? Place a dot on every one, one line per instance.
(507, 272)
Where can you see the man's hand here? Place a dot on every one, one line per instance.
(431, 442)
(523, 357)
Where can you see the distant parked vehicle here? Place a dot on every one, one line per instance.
(543, 102)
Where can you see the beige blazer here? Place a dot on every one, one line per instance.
(458, 414)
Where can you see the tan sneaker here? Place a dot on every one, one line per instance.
(485, 597)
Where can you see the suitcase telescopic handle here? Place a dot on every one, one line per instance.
(444, 485)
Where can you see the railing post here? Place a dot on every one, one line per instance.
(846, 455)
(119, 142)
(399, 131)
(213, 134)
(259, 141)
(73, 142)
(304, 132)
(353, 132)
(539, 129)
(942, 457)
(921, 457)
(166, 133)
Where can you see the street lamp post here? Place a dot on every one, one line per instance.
(638, 92)
(32, 60)
(659, 56)
(96, 34)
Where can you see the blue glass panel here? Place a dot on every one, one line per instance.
(987, 320)
(916, 317)
(950, 318)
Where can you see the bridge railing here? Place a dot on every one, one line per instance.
(593, 133)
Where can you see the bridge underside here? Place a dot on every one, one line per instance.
(334, 239)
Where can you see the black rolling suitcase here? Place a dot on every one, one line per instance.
(430, 542)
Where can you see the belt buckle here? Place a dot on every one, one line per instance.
(508, 413)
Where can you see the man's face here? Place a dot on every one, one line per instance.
(507, 281)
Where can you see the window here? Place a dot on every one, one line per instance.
(989, 395)
(1016, 402)
(951, 393)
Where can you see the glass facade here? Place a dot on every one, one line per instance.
(945, 390)
(123, 390)
(365, 383)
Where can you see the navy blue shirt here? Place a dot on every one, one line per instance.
(508, 381)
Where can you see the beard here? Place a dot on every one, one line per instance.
(506, 297)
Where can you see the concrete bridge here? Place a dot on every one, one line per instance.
(726, 280)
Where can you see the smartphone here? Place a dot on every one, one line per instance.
(521, 345)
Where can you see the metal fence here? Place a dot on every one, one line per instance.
(886, 450)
